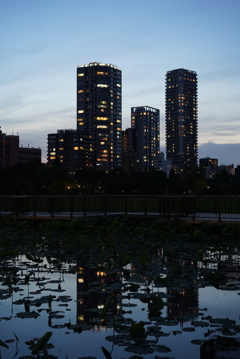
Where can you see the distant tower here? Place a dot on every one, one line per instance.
(181, 119)
(99, 111)
(145, 120)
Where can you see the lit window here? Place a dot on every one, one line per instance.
(102, 118)
(81, 74)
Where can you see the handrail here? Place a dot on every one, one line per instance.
(192, 207)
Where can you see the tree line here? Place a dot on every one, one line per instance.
(34, 178)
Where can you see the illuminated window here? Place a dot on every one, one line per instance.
(81, 74)
(102, 85)
(80, 111)
(102, 118)
(101, 126)
(101, 73)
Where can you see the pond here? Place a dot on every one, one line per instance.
(87, 308)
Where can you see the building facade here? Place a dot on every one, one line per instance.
(11, 153)
(70, 149)
(99, 111)
(181, 111)
(129, 159)
(209, 166)
(145, 121)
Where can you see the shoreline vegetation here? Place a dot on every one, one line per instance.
(119, 231)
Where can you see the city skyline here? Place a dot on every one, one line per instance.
(44, 42)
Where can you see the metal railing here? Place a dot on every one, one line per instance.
(192, 207)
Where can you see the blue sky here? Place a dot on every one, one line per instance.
(42, 43)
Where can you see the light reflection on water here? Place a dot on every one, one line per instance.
(48, 281)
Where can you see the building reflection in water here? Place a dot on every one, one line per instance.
(93, 294)
(183, 294)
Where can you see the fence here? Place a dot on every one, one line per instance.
(192, 207)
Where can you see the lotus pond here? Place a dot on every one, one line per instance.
(117, 288)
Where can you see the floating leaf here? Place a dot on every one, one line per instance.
(137, 332)
(3, 344)
(198, 341)
(106, 353)
(200, 323)
(41, 343)
(163, 349)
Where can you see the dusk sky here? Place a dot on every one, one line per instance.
(42, 43)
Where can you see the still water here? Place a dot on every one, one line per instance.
(71, 299)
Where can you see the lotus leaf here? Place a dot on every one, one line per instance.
(162, 349)
(28, 315)
(199, 323)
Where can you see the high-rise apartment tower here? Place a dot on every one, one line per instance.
(99, 111)
(181, 119)
(145, 120)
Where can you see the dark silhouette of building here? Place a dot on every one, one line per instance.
(146, 122)
(237, 171)
(181, 118)
(99, 111)
(11, 153)
(70, 149)
(129, 158)
(97, 141)
(209, 166)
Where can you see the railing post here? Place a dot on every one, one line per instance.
(164, 207)
(51, 207)
(71, 207)
(105, 205)
(84, 206)
(126, 206)
(34, 206)
(145, 205)
(219, 209)
(159, 206)
(194, 208)
(17, 206)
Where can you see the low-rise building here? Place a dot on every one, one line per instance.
(11, 153)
